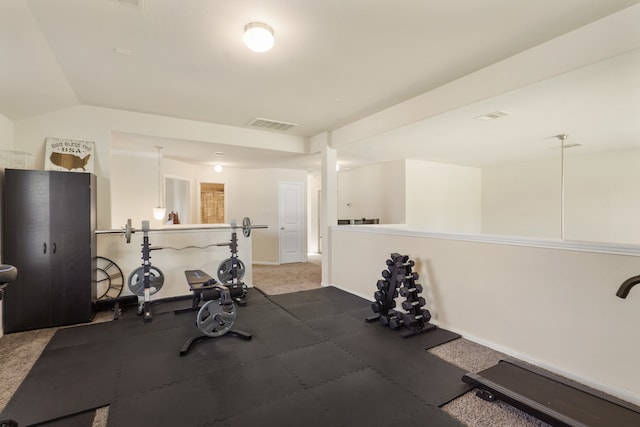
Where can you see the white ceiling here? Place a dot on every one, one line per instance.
(334, 62)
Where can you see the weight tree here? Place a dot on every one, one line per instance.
(400, 279)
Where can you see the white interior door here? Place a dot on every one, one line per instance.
(291, 221)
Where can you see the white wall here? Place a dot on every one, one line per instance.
(375, 191)
(443, 197)
(6, 133)
(554, 307)
(256, 191)
(248, 192)
(98, 124)
(522, 199)
(601, 197)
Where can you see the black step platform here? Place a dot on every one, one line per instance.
(553, 399)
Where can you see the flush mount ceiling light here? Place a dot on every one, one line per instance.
(258, 37)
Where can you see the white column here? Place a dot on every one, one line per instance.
(329, 211)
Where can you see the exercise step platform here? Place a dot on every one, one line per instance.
(551, 398)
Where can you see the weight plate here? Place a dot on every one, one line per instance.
(127, 231)
(136, 281)
(215, 319)
(109, 278)
(225, 270)
(246, 226)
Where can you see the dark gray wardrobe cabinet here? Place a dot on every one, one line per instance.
(49, 222)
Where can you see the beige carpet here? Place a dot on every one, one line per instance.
(19, 351)
(287, 278)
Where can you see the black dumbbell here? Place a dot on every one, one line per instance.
(386, 274)
(408, 305)
(396, 322)
(407, 289)
(384, 320)
(383, 285)
(375, 307)
(380, 296)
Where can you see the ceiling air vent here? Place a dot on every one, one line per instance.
(493, 115)
(271, 124)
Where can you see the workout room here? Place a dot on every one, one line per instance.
(381, 214)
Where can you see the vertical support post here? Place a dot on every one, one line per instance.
(329, 211)
(146, 267)
(562, 138)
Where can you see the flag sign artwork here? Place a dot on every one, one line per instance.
(69, 155)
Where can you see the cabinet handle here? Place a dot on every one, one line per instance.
(54, 247)
(44, 249)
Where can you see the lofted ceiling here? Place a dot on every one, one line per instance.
(334, 62)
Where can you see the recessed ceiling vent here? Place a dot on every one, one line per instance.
(493, 115)
(271, 124)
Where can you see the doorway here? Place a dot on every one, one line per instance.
(291, 221)
(211, 203)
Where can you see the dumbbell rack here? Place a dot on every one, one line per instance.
(400, 279)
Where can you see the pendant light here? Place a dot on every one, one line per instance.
(160, 210)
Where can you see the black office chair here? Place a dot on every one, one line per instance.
(8, 274)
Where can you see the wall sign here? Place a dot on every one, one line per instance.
(69, 155)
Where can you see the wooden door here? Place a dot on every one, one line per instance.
(211, 203)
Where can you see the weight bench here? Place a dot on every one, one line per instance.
(201, 284)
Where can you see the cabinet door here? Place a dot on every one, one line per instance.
(71, 237)
(26, 246)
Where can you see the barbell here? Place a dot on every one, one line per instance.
(128, 230)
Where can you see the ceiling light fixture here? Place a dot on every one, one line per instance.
(218, 166)
(159, 211)
(258, 36)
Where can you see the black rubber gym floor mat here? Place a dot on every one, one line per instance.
(64, 381)
(84, 419)
(301, 409)
(320, 363)
(135, 368)
(206, 398)
(365, 398)
(411, 366)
